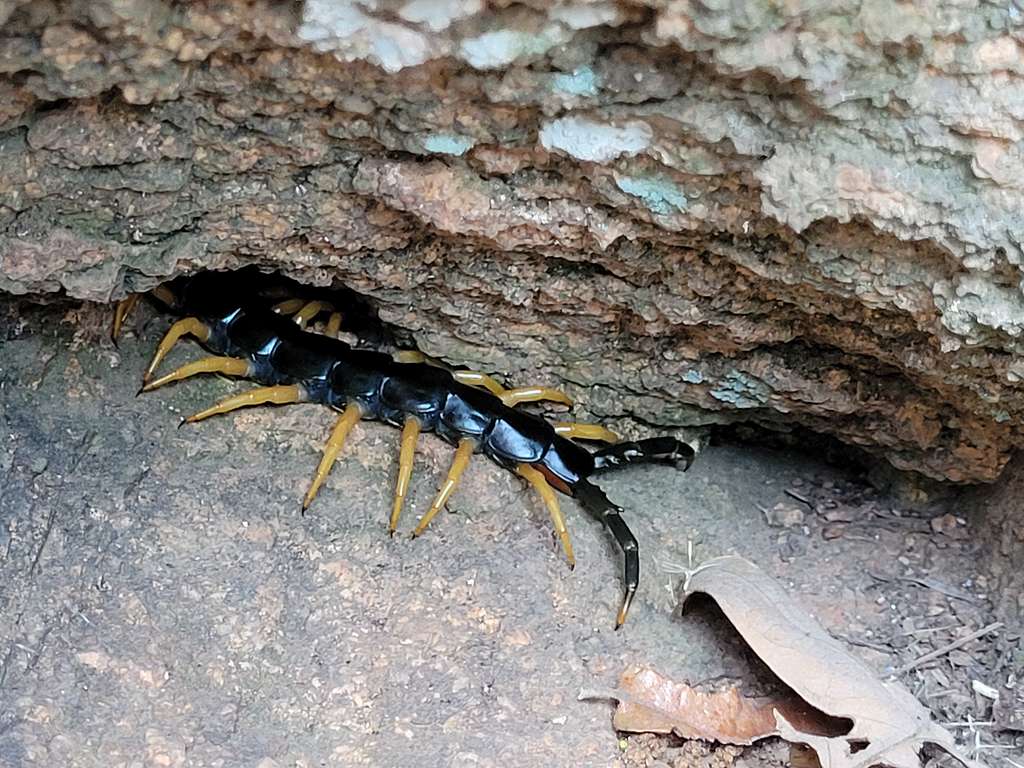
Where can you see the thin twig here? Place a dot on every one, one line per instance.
(862, 643)
(938, 586)
(84, 446)
(42, 544)
(970, 724)
(927, 630)
(949, 647)
(799, 497)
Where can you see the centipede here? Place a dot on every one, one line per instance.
(252, 333)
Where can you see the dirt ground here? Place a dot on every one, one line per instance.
(163, 602)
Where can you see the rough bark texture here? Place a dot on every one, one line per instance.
(783, 213)
(1000, 524)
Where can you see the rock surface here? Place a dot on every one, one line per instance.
(164, 603)
(996, 512)
(787, 214)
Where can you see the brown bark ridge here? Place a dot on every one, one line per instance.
(996, 513)
(794, 214)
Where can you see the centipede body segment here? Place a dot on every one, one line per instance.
(250, 335)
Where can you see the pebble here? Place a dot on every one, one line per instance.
(944, 524)
(784, 515)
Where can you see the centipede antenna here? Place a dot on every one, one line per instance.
(187, 326)
(466, 447)
(346, 421)
(536, 479)
(410, 433)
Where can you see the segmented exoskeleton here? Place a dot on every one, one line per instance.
(255, 338)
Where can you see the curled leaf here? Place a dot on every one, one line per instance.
(836, 704)
(652, 703)
(889, 725)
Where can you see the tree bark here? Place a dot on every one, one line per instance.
(792, 215)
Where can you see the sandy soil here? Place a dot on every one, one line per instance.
(163, 601)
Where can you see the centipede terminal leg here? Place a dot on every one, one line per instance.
(410, 433)
(230, 366)
(348, 418)
(187, 326)
(536, 479)
(599, 506)
(282, 394)
(463, 452)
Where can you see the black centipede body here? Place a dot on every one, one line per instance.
(241, 323)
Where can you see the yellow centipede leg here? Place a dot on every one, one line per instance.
(585, 431)
(309, 311)
(289, 306)
(410, 433)
(410, 356)
(477, 379)
(466, 447)
(231, 366)
(164, 294)
(473, 378)
(346, 421)
(536, 479)
(279, 395)
(121, 312)
(333, 324)
(187, 326)
(533, 394)
(415, 356)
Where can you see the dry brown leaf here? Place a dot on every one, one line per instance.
(889, 724)
(652, 703)
(837, 706)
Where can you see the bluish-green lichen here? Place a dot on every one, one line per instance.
(582, 82)
(492, 50)
(693, 376)
(659, 195)
(742, 391)
(448, 144)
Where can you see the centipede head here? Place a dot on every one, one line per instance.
(210, 294)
